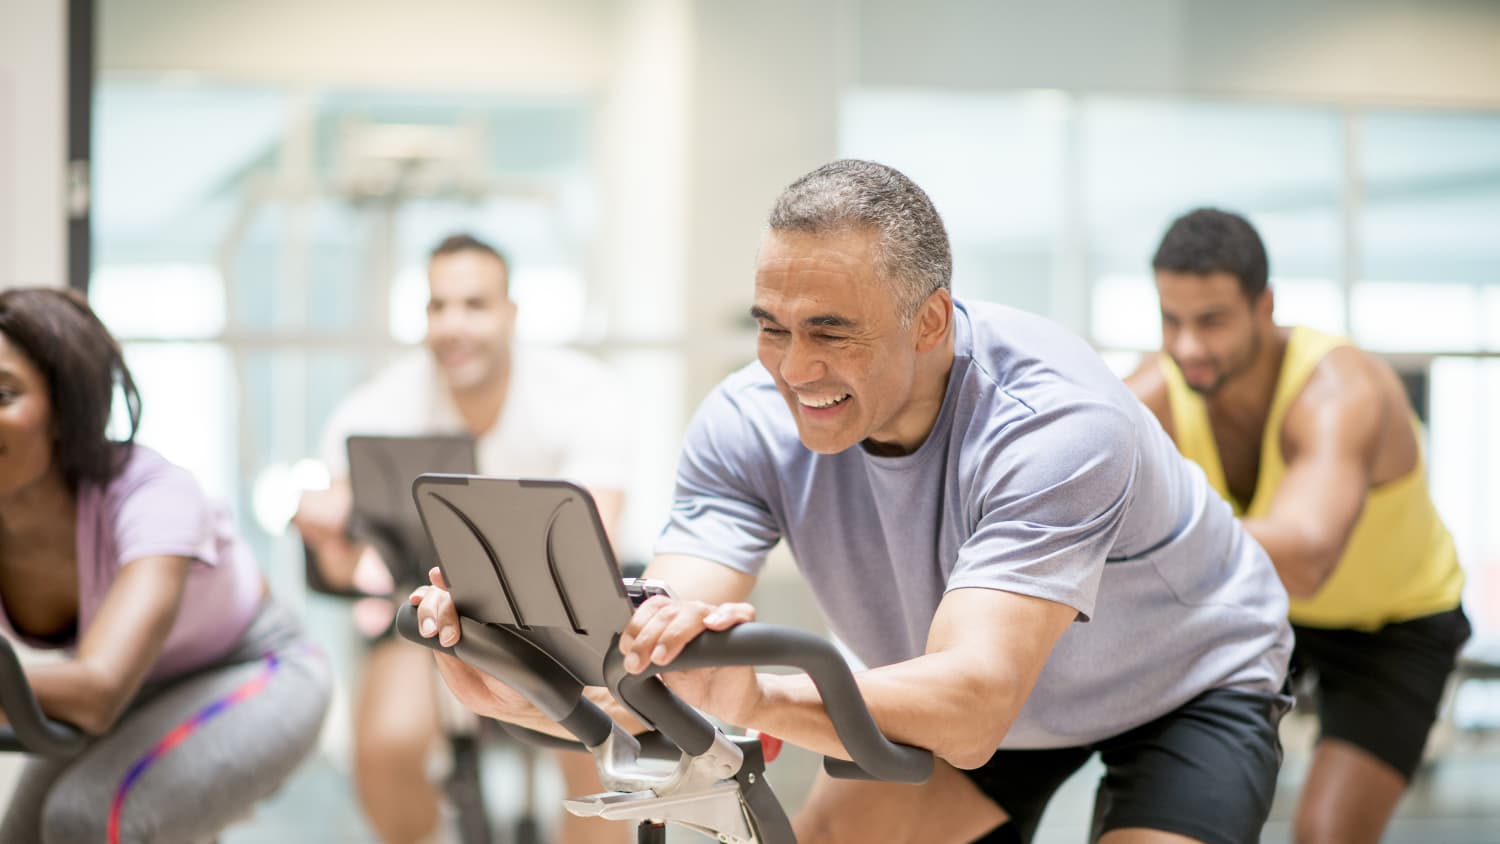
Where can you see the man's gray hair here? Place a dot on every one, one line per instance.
(912, 252)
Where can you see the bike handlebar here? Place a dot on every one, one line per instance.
(874, 755)
(559, 696)
(30, 731)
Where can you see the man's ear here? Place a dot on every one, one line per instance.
(1265, 307)
(934, 319)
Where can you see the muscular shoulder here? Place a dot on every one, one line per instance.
(1150, 386)
(1349, 397)
(1346, 378)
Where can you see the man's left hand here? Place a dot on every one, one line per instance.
(662, 627)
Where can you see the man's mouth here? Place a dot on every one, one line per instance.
(822, 402)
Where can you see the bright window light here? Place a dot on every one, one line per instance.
(177, 301)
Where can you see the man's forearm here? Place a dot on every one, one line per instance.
(531, 718)
(926, 702)
(1301, 562)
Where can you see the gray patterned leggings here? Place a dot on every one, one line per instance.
(191, 754)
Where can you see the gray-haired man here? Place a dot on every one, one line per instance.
(963, 486)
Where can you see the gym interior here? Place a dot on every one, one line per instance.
(248, 194)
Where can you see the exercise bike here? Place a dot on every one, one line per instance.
(381, 470)
(541, 607)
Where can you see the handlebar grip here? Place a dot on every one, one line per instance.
(522, 666)
(874, 755)
(406, 625)
(30, 730)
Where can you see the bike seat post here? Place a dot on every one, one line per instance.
(651, 832)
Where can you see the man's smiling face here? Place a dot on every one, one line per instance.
(831, 334)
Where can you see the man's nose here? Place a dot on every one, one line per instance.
(802, 363)
(1187, 345)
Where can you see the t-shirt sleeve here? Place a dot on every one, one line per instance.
(1053, 494)
(163, 513)
(597, 453)
(720, 509)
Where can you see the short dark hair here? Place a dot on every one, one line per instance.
(913, 251)
(465, 242)
(82, 365)
(1208, 240)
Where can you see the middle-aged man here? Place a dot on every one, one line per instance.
(1314, 444)
(990, 520)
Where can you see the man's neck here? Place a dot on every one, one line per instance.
(927, 406)
(1248, 396)
(480, 407)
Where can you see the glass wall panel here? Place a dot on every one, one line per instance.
(1143, 162)
(1429, 231)
(993, 166)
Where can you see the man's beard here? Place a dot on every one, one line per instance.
(1238, 369)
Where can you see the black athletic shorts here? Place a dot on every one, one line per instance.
(1380, 691)
(1206, 770)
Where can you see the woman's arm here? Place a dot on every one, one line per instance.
(116, 652)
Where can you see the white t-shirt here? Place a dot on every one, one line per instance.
(564, 417)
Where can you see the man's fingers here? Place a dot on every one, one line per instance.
(436, 616)
(682, 629)
(435, 575)
(725, 616)
(661, 628)
(688, 626)
(650, 621)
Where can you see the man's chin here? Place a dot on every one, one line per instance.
(822, 442)
(1206, 390)
(465, 378)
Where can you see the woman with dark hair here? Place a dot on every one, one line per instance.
(200, 694)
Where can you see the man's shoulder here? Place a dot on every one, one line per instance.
(746, 405)
(1021, 357)
(537, 357)
(410, 368)
(1149, 384)
(1351, 397)
(1343, 374)
(1007, 341)
(395, 398)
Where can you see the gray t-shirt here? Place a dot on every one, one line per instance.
(1042, 476)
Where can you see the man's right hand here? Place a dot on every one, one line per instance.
(437, 616)
(322, 519)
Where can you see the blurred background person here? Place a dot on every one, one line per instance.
(1314, 444)
(534, 413)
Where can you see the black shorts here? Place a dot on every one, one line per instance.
(1205, 770)
(1380, 691)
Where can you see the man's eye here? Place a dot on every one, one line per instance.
(766, 329)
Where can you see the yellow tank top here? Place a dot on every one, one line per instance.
(1400, 562)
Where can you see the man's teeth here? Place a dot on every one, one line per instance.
(822, 403)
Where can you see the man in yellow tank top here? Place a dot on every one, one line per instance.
(1314, 444)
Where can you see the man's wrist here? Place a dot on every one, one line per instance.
(769, 700)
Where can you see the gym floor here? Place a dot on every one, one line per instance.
(1454, 801)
